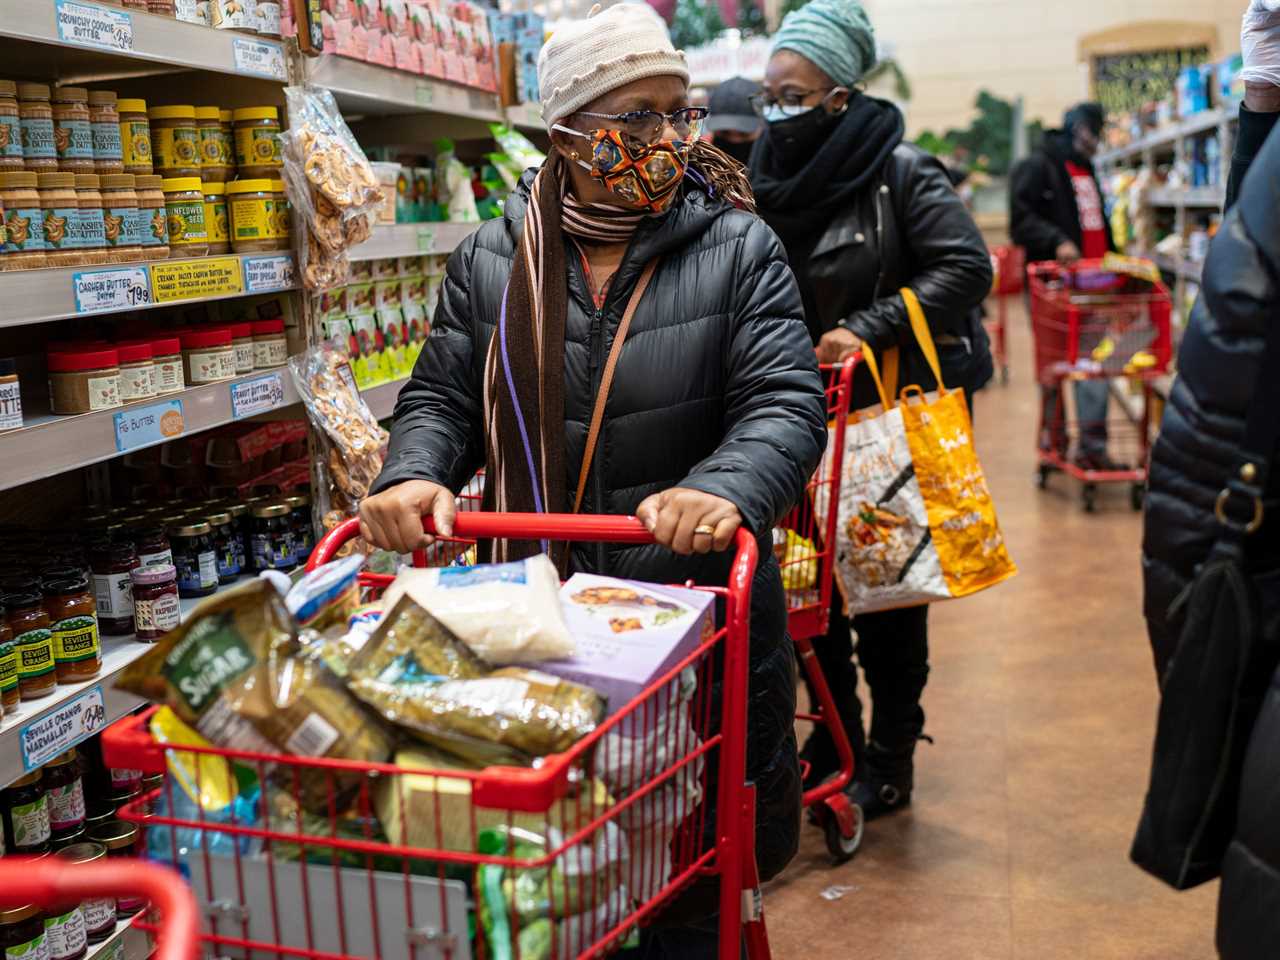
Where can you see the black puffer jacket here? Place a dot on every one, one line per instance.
(908, 227)
(1218, 365)
(716, 389)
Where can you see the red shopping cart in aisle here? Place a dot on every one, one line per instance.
(563, 859)
(804, 544)
(52, 885)
(1099, 326)
(1007, 266)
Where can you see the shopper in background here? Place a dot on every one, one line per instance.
(1220, 363)
(716, 416)
(862, 215)
(733, 123)
(1056, 213)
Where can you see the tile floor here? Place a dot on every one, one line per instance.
(1042, 701)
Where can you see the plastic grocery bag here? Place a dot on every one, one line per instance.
(915, 518)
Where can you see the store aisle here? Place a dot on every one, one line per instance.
(1042, 702)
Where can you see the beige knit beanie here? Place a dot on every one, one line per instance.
(585, 59)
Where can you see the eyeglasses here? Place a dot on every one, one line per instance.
(760, 102)
(645, 127)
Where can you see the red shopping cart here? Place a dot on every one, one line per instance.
(49, 883)
(1008, 264)
(1091, 324)
(565, 858)
(804, 543)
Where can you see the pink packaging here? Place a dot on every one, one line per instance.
(486, 55)
(447, 38)
(400, 32)
(337, 20)
(423, 36)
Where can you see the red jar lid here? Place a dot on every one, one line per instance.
(242, 330)
(73, 360)
(134, 351)
(268, 326)
(165, 346)
(205, 337)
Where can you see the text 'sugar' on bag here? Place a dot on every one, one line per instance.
(915, 520)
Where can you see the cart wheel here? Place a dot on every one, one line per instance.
(842, 847)
(1042, 475)
(1090, 497)
(1137, 493)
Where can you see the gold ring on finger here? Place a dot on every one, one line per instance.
(706, 529)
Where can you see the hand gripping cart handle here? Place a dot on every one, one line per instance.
(49, 881)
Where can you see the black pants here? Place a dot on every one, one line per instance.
(893, 650)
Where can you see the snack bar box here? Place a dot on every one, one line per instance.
(629, 633)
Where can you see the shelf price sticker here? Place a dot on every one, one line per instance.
(257, 395)
(196, 279)
(89, 25)
(98, 290)
(262, 274)
(261, 58)
(149, 425)
(426, 239)
(62, 728)
(424, 93)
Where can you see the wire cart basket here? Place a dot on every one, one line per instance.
(562, 859)
(1008, 263)
(1094, 325)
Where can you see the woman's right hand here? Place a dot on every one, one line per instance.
(392, 519)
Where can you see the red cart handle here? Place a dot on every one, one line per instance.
(49, 881)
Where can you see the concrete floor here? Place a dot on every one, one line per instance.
(1042, 702)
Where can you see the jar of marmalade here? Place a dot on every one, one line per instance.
(73, 618)
(9, 696)
(33, 641)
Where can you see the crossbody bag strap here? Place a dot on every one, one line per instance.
(606, 380)
(1258, 445)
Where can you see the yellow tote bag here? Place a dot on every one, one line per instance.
(915, 520)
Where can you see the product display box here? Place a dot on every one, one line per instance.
(629, 633)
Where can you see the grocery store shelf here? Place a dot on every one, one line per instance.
(1167, 136)
(35, 296)
(99, 703)
(382, 398)
(50, 444)
(527, 116)
(126, 943)
(1212, 197)
(100, 41)
(368, 90)
(411, 239)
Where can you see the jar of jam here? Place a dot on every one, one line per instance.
(73, 619)
(195, 558)
(97, 813)
(64, 782)
(112, 562)
(272, 542)
(98, 914)
(225, 546)
(120, 838)
(72, 132)
(300, 516)
(33, 640)
(155, 601)
(152, 545)
(240, 520)
(22, 932)
(24, 805)
(60, 841)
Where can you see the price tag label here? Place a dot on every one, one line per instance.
(98, 290)
(257, 395)
(268, 273)
(62, 728)
(149, 425)
(262, 58)
(425, 93)
(426, 239)
(195, 279)
(482, 102)
(89, 25)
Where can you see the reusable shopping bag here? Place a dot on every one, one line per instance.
(915, 522)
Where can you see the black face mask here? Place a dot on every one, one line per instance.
(740, 150)
(795, 140)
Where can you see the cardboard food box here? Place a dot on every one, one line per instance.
(629, 633)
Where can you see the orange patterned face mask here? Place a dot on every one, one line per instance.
(642, 176)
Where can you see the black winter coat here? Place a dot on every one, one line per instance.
(716, 389)
(1218, 365)
(1042, 201)
(908, 227)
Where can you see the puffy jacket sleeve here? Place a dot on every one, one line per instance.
(1027, 226)
(953, 267)
(775, 405)
(437, 433)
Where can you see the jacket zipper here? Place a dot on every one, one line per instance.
(880, 192)
(597, 487)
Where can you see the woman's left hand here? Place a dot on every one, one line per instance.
(678, 518)
(837, 345)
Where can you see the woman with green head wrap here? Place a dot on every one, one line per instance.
(861, 215)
